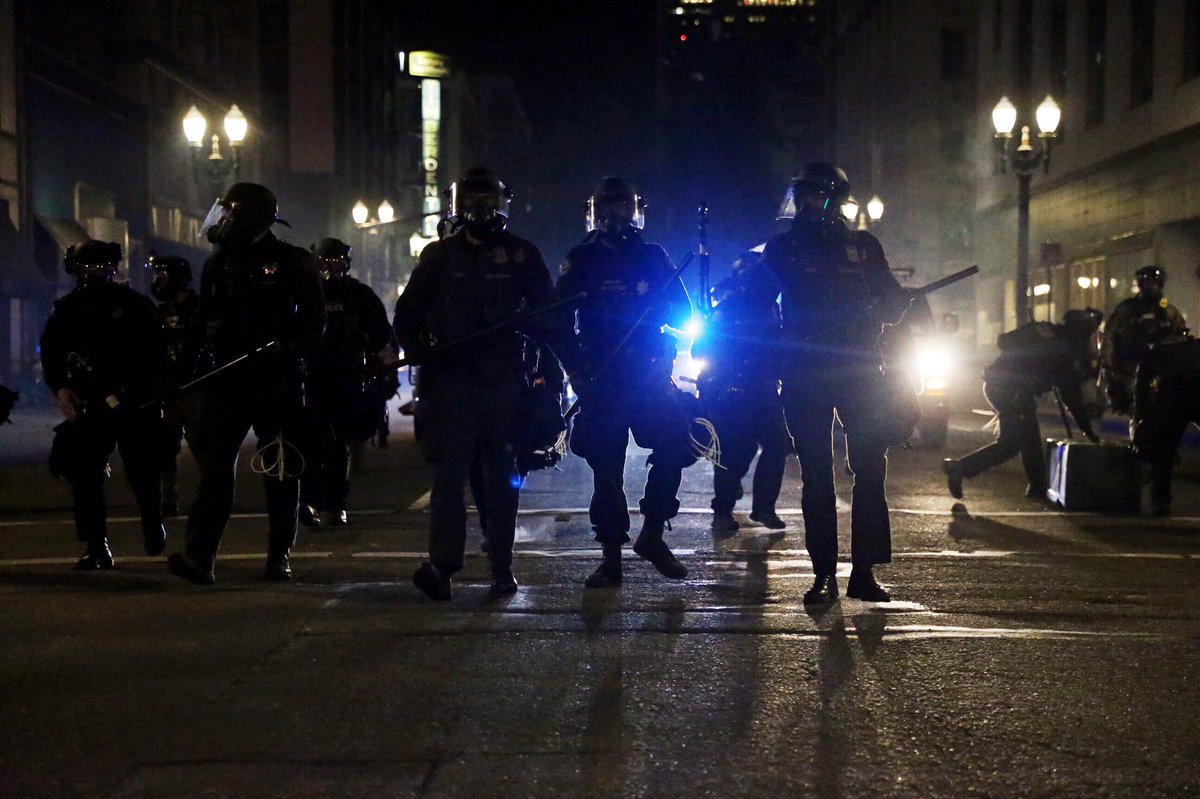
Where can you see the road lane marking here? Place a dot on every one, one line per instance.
(421, 502)
(158, 559)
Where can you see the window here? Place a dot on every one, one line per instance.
(954, 53)
(1141, 52)
(1191, 39)
(1097, 30)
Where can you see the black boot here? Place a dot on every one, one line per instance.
(154, 535)
(608, 573)
(338, 518)
(97, 556)
(954, 477)
(862, 586)
(650, 546)
(824, 590)
(723, 524)
(191, 569)
(768, 519)
(308, 516)
(279, 568)
(503, 581)
(432, 581)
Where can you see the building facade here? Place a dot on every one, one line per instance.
(1122, 190)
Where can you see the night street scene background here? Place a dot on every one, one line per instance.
(1030, 648)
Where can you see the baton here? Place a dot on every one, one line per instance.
(481, 333)
(270, 345)
(941, 283)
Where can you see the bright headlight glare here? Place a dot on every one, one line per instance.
(933, 361)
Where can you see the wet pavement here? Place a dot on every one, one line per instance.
(1027, 652)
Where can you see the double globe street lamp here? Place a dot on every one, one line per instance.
(215, 169)
(850, 211)
(1024, 160)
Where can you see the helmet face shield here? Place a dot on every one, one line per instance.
(613, 212)
(480, 202)
(212, 221)
(333, 268)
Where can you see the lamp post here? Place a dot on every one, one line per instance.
(215, 169)
(852, 212)
(1024, 160)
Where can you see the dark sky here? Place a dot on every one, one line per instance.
(585, 73)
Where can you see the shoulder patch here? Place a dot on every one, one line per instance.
(564, 267)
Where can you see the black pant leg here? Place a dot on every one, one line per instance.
(772, 460)
(810, 421)
(221, 424)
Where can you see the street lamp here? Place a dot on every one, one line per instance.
(1024, 160)
(359, 213)
(875, 208)
(849, 209)
(215, 169)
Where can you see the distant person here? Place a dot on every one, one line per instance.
(177, 303)
(1136, 326)
(1167, 401)
(347, 381)
(8, 398)
(1035, 358)
(104, 359)
(739, 390)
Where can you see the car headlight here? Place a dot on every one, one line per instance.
(933, 362)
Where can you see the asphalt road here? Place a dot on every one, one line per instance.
(1027, 653)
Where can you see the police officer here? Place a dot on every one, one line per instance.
(104, 359)
(177, 303)
(739, 389)
(1136, 326)
(628, 282)
(837, 291)
(1035, 358)
(257, 295)
(346, 382)
(478, 276)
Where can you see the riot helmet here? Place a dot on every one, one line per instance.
(481, 201)
(1150, 282)
(172, 274)
(615, 208)
(816, 195)
(333, 258)
(93, 262)
(245, 211)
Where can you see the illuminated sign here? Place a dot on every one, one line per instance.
(431, 121)
(424, 64)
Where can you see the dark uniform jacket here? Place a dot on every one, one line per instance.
(177, 317)
(741, 339)
(267, 291)
(838, 292)
(357, 332)
(1135, 327)
(103, 341)
(460, 286)
(621, 283)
